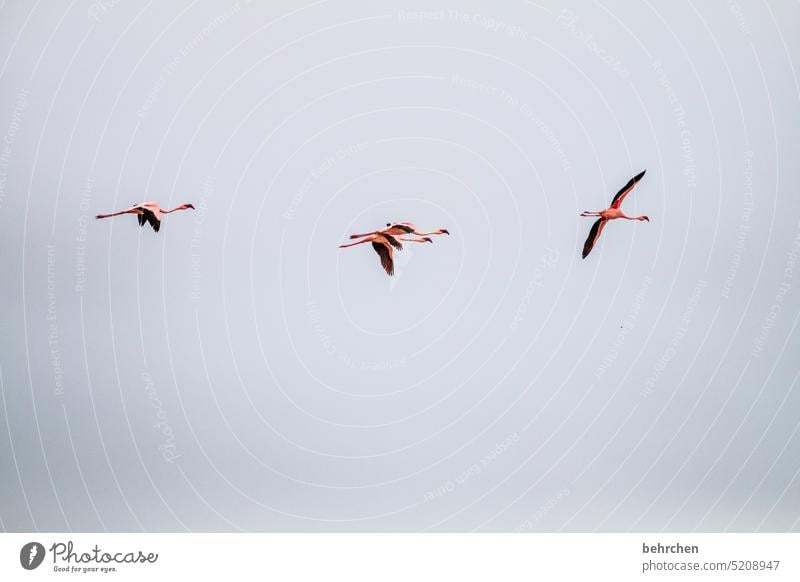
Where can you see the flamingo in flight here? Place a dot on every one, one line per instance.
(384, 245)
(399, 229)
(149, 212)
(610, 213)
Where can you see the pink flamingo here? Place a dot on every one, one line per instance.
(610, 213)
(149, 212)
(400, 228)
(384, 245)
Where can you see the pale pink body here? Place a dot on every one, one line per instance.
(612, 213)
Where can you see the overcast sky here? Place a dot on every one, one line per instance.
(239, 371)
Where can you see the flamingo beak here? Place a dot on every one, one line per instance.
(427, 239)
(190, 206)
(647, 219)
(445, 231)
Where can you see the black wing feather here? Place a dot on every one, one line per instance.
(594, 234)
(625, 189)
(386, 257)
(404, 227)
(393, 241)
(152, 220)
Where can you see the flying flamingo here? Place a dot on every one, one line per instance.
(400, 228)
(384, 245)
(149, 212)
(610, 213)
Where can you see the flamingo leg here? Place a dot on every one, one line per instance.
(362, 235)
(116, 213)
(361, 242)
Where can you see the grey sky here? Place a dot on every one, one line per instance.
(238, 371)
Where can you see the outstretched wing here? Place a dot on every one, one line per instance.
(151, 219)
(594, 234)
(406, 227)
(385, 253)
(618, 199)
(393, 241)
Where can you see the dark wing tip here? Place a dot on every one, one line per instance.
(386, 259)
(590, 240)
(620, 196)
(151, 219)
(394, 242)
